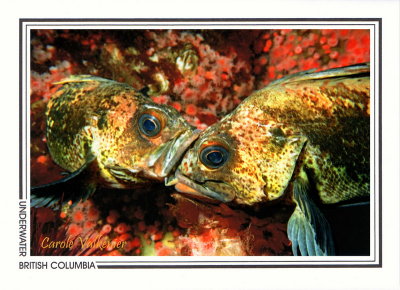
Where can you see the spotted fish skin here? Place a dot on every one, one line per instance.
(332, 111)
(311, 128)
(96, 125)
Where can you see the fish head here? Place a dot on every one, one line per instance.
(151, 140)
(165, 135)
(246, 158)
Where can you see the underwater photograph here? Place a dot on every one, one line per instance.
(200, 142)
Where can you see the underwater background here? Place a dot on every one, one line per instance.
(204, 74)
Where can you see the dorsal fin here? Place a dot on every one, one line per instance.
(82, 78)
(348, 71)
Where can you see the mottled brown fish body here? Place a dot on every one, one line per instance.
(302, 138)
(91, 116)
(334, 117)
(314, 121)
(81, 107)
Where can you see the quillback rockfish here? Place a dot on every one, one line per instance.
(304, 138)
(106, 133)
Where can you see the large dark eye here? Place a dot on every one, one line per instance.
(214, 156)
(149, 125)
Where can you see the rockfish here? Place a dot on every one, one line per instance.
(106, 133)
(304, 139)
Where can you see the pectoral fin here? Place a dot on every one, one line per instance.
(77, 186)
(308, 229)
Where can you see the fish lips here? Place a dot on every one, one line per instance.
(166, 157)
(187, 186)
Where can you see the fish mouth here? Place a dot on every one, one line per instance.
(185, 185)
(166, 158)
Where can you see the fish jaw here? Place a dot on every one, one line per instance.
(163, 160)
(155, 165)
(185, 185)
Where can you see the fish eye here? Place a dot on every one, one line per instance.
(149, 125)
(214, 156)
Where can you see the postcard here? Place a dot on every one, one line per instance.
(236, 144)
(249, 142)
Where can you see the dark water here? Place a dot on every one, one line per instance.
(350, 229)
